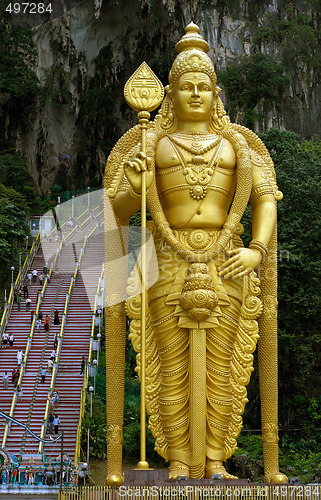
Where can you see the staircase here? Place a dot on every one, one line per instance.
(69, 381)
(75, 344)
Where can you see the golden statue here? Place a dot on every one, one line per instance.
(204, 313)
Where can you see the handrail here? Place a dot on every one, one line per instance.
(22, 272)
(21, 275)
(82, 214)
(58, 251)
(68, 236)
(4, 321)
(81, 415)
(86, 375)
(94, 315)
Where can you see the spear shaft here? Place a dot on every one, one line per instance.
(144, 93)
(143, 118)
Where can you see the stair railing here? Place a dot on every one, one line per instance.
(56, 361)
(28, 260)
(58, 252)
(6, 314)
(91, 216)
(78, 224)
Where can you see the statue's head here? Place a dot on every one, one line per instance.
(192, 63)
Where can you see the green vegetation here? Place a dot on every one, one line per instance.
(298, 168)
(255, 79)
(18, 199)
(57, 79)
(257, 83)
(316, 4)
(230, 4)
(19, 88)
(296, 31)
(97, 430)
(12, 223)
(159, 60)
(253, 87)
(55, 89)
(97, 423)
(101, 101)
(298, 458)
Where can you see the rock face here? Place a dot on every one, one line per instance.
(85, 56)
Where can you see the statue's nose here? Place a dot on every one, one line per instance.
(195, 91)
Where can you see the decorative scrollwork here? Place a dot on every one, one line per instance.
(270, 306)
(270, 433)
(114, 434)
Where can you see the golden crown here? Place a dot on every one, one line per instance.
(192, 56)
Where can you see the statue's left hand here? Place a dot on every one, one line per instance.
(241, 261)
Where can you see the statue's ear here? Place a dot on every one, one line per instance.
(168, 90)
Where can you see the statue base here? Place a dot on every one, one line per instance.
(160, 477)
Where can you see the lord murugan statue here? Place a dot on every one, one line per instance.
(213, 298)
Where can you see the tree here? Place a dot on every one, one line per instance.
(12, 224)
(18, 198)
(255, 78)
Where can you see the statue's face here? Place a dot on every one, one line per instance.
(193, 97)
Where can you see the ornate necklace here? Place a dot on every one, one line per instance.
(198, 173)
(196, 149)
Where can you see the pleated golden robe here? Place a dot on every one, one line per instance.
(196, 370)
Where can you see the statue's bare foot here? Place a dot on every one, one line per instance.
(178, 469)
(216, 467)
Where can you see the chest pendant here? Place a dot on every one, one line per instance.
(198, 176)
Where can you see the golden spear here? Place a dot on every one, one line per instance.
(144, 93)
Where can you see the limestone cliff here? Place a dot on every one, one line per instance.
(85, 56)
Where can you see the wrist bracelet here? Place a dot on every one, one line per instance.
(260, 246)
(133, 193)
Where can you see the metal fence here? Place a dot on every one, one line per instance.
(67, 195)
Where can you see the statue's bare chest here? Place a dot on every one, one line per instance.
(195, 165)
